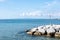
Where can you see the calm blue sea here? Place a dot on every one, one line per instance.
(14, 29)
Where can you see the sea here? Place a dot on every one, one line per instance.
(14, 29)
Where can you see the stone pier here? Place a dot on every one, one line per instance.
(47, 30)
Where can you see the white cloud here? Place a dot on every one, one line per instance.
(44, 13)
(51, 9)
(40, 14)
(50, 4)
(31, 14)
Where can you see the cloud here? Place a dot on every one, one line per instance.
(50, 4)
(51, 9)
(31, 14)
(48, 9)
(40, 14)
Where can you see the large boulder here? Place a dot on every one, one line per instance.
(33, 29)
(48, 26)
(30, 33)
(41, 31)
(57, 26)
(40, 27)
(37, 33)
(56, 29)
(50, 32)
(57, 34)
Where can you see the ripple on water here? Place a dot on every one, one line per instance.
(24, 36)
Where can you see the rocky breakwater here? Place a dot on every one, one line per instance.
(46, 30)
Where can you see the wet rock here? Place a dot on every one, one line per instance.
(30, 33)
(37, 34)
(51, 34)
(57, 34)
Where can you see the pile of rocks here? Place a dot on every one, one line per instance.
(46, 30)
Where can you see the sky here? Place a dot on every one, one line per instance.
(29, 9)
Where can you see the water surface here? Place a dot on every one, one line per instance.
(14, 29)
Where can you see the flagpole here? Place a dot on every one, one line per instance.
(50, 19)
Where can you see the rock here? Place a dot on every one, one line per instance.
(30, 33)
(27, 30)
(50, 32)
(33, 29)
(47, 26)
(57, 34)
(59, 31)
(37, 34)
(56, 30)
(41, 31)
(57, 27)
(40, 27)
